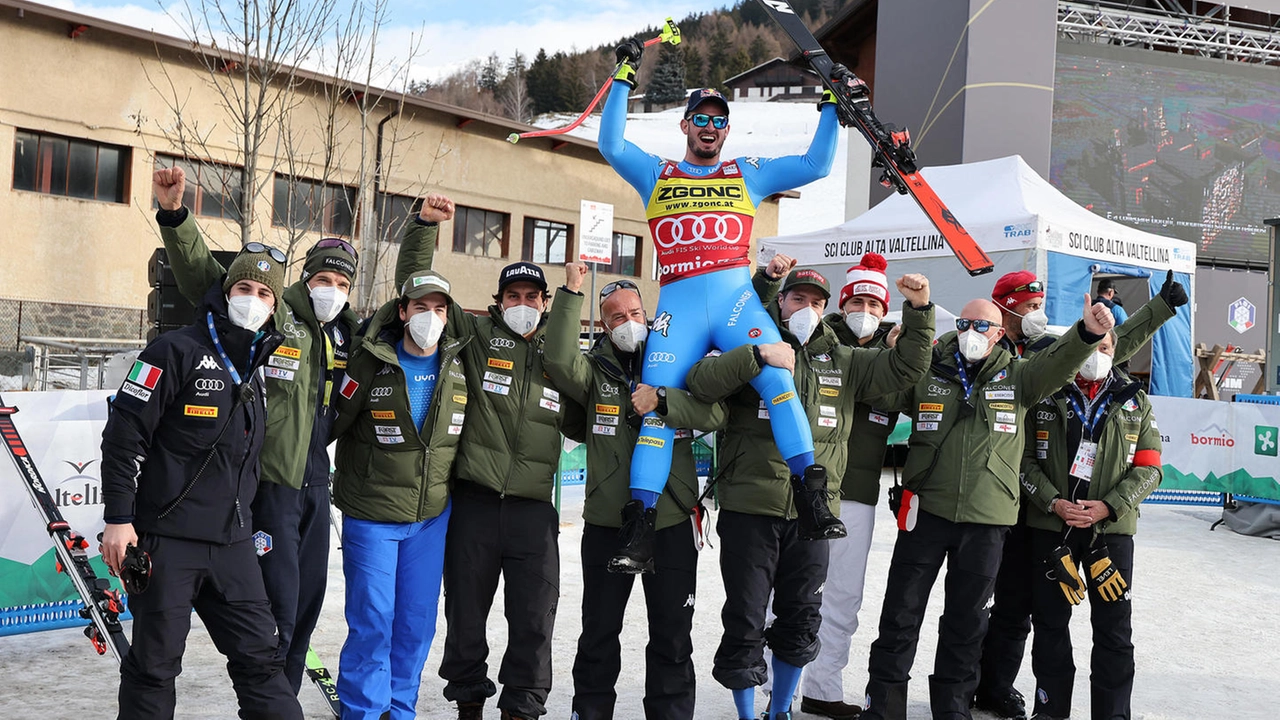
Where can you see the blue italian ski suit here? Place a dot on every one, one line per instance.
(700, 219)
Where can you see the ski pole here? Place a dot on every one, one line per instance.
(670, 34)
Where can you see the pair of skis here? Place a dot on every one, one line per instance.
(891, 148)
(102, 605)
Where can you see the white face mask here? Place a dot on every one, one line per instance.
(1034, 323)
(1096, 367)
(628, 336)
(803, 322)
(974, 345)
(425, 329)
(248, 312)
(521, 318)
(327, 301)
(861, 323)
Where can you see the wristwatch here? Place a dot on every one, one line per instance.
(662, 400)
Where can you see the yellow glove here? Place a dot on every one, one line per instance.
(1106, 578)
(1062, 567)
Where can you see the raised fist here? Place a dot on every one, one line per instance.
(629, 52)
(169, 184)
(436, 208)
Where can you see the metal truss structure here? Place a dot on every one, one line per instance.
(1204, 36)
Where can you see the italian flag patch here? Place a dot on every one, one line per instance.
(145, 375)
(348, 387)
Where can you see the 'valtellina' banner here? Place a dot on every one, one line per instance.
(1220, 446)
(63, 433)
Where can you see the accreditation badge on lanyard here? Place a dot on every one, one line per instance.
(1082, 465)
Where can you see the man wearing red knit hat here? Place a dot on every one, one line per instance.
(864, 300)
(1020, 297)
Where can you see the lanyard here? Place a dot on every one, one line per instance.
(328, 366)
(964, 377)
(1089, 422)
(213, 334)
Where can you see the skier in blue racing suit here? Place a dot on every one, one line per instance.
(700, 212)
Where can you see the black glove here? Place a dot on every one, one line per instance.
(1107, 580)
(1062, 567)
(629, 52)
(1172, 292)
(895, 499)
(851, 84)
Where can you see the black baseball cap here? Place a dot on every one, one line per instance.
(522, 272)
(697, 97)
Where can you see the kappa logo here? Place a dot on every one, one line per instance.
(386, 370)
(821, 587)
(688, 602)
(208, 363)
(662, 323)
(500, 343)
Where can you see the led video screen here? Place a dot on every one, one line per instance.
(1182, 147)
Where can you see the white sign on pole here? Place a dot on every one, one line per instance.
(596, 237)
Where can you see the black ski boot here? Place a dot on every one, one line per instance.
(812, 509)
(636, 553)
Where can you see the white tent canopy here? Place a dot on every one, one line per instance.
(1018, 218)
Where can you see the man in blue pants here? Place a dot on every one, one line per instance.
(700, 212)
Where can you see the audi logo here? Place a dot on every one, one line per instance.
(210, 384)
(936, 390)
(380, 392)
(499, 343)
(662, 357)
(690, 229)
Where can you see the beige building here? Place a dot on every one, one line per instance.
(98, 106)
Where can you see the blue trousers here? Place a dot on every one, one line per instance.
(716, 310)
(393, 573)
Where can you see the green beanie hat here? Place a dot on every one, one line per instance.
(331, 254)
(257, 266)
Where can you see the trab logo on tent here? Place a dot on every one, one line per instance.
(1241, 315)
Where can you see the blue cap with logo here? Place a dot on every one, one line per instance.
(697, 97)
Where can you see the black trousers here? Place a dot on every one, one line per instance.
(517, 539)
(224, 586)
(296, 569)
(1006, 641)
(1111, 676)
(972, 553)
(669, 598)
(760, 555)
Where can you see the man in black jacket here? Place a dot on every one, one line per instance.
(179, 473)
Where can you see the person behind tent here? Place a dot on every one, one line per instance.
(700, 212)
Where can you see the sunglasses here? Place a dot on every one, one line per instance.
(257, 247)
(339, 243)
(617, 285)
(981, 326)
(718, 122)
(1034, 286)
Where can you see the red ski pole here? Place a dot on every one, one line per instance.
(670, 34)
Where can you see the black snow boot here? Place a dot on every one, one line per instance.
(471, 711)
(812, 508)
(636, 534)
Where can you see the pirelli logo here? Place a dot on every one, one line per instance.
(1042, 434)
(289, 352)
(204, 411)
(930, 407)
(651, 441)
(383, 414)
(501, 364)
(607, 409)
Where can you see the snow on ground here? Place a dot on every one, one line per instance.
(756, 129)
(1204, 629)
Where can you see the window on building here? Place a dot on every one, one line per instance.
(545, 241)
(626, 255)
(394, 212)
(213, 189)
(480, 232)
(66, 166)
(303, 204)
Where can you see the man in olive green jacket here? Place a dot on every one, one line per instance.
(1096, 457)
(504, 523)
(763, 552)
(1021, 299)
(291, 509)
(960, 496)
(400, 412)
(605, 382)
